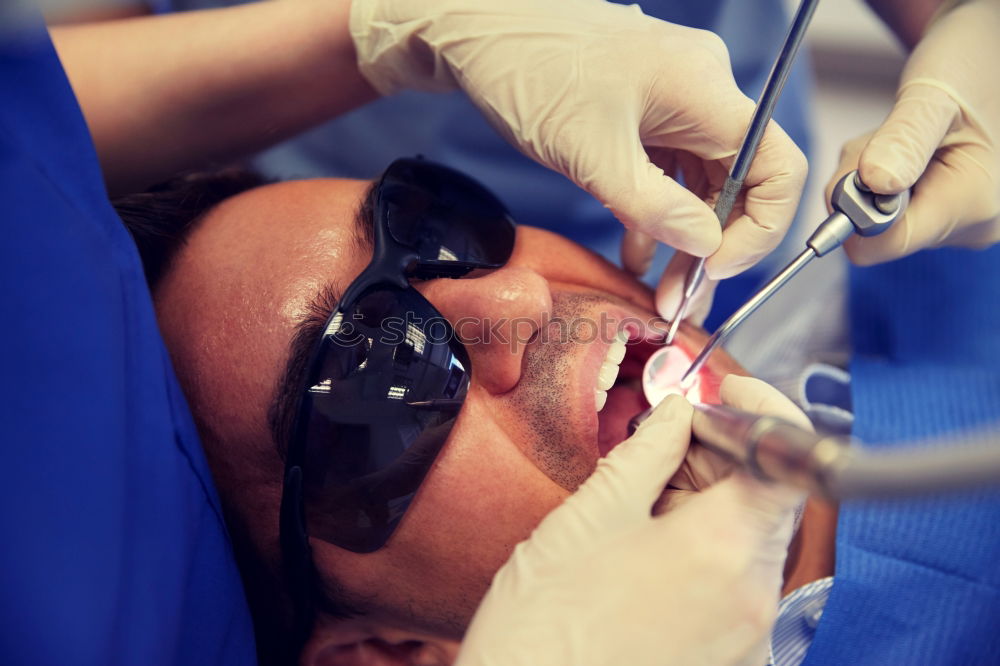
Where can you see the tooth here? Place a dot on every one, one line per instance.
(600, 397)
(616, 352)
(607, 375)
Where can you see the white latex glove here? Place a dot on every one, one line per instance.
(941, 138)
(610, 98)
(602, 581)
(671, 287)
(701, 467)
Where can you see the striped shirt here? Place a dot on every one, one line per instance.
(799, 614)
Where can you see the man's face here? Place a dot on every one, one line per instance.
(528, 433)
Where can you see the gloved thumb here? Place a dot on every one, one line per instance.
(900, 150)
(670, 290)
(753, 519)
(750, 394)
(769, 512)
(637, 251)
(621, 492)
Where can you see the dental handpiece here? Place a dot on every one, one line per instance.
(774, 450)
(748, 148)
(856, 209)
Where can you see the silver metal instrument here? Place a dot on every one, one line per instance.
(748, 148)
(772, 449)
(856, 209)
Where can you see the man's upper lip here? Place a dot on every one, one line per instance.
(589, 365)
(583, 367)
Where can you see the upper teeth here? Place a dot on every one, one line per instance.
(608, 373)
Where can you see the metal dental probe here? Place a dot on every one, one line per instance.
(741, 165)
(856, 209)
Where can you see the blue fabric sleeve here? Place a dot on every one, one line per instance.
(114, 549)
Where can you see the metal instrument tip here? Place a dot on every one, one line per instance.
(699, 361)
(674, 325)
(690, 284)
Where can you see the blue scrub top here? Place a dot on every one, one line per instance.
(450, 130)
(918, 582)
(113, 547)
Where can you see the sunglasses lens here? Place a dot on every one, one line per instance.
(445, 215)
(381, 405)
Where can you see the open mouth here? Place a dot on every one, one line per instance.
(640, 384)
(625, 397)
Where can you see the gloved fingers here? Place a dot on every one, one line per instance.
(901, 148)
(755, 519)
(850, 152)
(708, 136)
(772, 187)
(938, 213)
(636, 190)
(752, 395)
(976, 236)
(715, 559)
(671, 499)
(769, 513)
(703, 177)
(701, 469)
(724, 553)
(638, 248)
(745, 240)
(766, 207)
(953, 195)
(670, 290)
(637, 470)
(643, 197)
(664, 158)
(637, 251)
(621, 492)
(768, 510)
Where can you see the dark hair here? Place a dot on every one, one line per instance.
(161, 218)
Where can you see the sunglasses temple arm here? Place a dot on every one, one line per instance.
(439, 405)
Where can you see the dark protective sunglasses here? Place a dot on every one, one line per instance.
(388, 376)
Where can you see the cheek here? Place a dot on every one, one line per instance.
(481, 498)
(483, 491)
(561, 260)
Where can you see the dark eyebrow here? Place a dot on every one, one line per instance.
(285, 401)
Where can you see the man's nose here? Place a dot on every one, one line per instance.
(495, 316)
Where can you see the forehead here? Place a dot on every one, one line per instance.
(236, 291)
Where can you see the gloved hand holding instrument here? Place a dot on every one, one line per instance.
(942, 139)
(691, 298)
(603, 581)
(610, 98)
